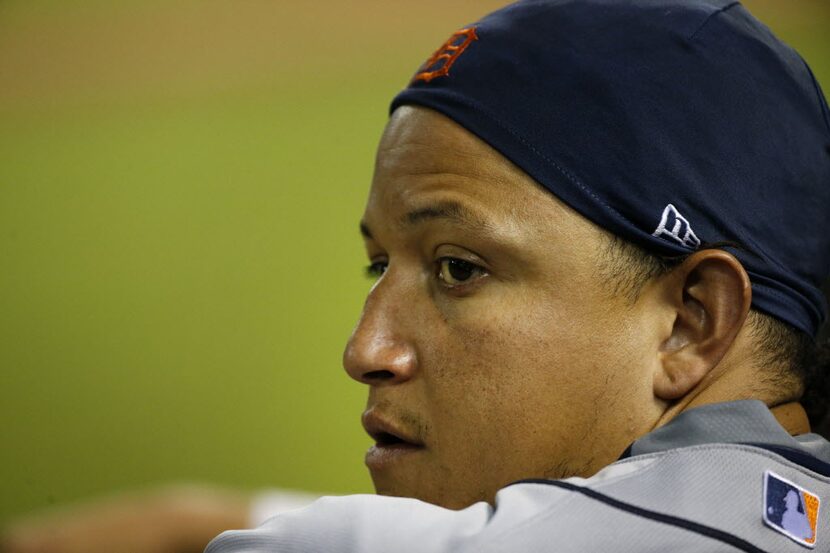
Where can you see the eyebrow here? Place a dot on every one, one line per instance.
(452, 211)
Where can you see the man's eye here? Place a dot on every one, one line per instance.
(456, 271)
(376, 269)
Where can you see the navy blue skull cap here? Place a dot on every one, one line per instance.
(670, 123)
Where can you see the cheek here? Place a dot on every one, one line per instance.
(505, 368)
(531, 339)
(525, 379)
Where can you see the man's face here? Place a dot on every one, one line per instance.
(491, 345)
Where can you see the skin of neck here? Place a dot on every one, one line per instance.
(740, 376)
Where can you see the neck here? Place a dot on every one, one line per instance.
(731, 381)
(789, 413)
(792, 417)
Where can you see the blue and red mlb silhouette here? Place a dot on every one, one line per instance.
(790, 509)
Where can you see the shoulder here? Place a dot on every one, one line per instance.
(709, 496)
(704, 498)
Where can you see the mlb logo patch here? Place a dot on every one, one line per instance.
(790, 509)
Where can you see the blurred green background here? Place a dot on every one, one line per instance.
(180, 185)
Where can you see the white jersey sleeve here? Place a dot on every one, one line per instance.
(270, 503)
(371, 523)
(360, 523)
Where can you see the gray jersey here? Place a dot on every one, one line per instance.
(723, 477)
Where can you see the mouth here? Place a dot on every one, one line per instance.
(392, 443)
(387, 439)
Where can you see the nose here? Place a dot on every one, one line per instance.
(378, 351)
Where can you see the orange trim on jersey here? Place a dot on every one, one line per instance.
(438, 65)
(811, 504)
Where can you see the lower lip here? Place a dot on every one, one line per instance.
(381, 456)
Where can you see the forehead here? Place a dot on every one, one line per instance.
(425, 158)
(419, 138)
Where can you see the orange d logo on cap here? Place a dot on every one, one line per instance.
(438, 65)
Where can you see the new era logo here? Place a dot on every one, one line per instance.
(674, 226)
(790, 509)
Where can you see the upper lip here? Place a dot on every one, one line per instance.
(386, 432)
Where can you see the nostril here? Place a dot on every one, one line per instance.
(378, 375)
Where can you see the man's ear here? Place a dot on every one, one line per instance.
(709, 295)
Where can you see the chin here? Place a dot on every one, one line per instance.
(434, 494)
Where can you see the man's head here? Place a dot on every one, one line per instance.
(514, 330)
(495, 338)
